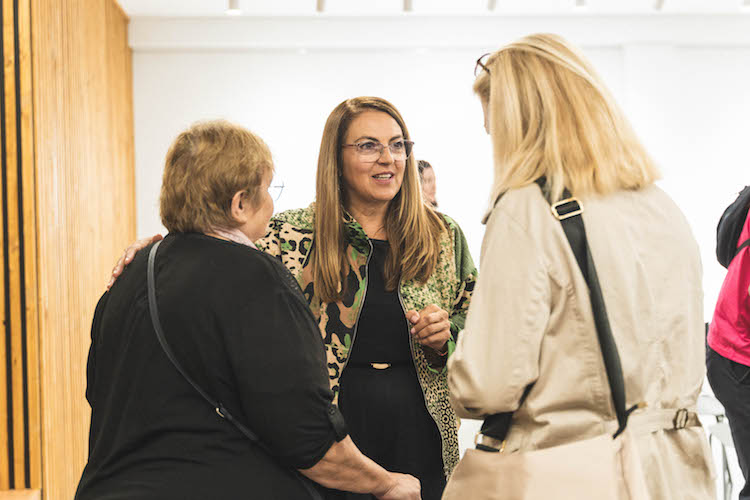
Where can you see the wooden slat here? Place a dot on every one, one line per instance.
(19, 353)
(85, 187)
(19, 260)
(74, 140)
(29, 251)
(13, 256)
(21, 495)
(4, 407)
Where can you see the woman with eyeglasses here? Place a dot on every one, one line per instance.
(536, 334)
(389, 281)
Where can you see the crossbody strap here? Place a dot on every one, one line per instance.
(217, 405)
(568, 211)
(153, 309)
(744, 244)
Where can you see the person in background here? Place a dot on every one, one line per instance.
(728, 353)
(239, 325)
(531, 326)
(429, 183)
(388, 281)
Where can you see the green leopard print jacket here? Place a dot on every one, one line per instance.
(290, 237)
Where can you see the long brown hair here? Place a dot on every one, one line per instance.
(413, 229)
(551, 115)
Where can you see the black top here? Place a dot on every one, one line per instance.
(382, 330)
(238, 324)
(385, 408)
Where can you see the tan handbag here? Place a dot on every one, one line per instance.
(598, 469)
(606, 467)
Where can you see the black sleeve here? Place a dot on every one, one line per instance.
(278, 359)
(91, 364)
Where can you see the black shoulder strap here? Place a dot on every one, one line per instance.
(217, 405)
(568, 211)
(220, 409)
(744, 244)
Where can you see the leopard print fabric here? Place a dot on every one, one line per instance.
(290, 238)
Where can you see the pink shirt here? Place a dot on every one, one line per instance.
(729, 334)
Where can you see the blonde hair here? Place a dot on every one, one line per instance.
(205, 166)
(550, 115)
(413, 229)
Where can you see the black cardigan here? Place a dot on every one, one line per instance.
(238, 324)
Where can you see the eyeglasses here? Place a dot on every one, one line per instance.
(371, 150)
(480, 64)
(275, 189)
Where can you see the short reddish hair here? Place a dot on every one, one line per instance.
(205, 166)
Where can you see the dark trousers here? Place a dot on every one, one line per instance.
(388, 421)
(730, 382)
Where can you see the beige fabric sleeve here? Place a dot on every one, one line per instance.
(497, 354)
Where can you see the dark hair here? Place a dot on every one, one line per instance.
(422, 165)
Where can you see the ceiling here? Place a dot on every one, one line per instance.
(217, 8)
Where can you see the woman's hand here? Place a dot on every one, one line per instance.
(127, 257)
(431, 327)
(405, 487)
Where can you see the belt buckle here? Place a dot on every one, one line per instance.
(555, 207)
(680, 418)
(380, 366)
(488, 442)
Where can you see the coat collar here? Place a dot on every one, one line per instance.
(355, 234)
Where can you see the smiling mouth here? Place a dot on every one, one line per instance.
(382, 177)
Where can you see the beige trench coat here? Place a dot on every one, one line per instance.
(530, 321)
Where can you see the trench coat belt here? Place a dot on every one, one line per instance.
(641, 422)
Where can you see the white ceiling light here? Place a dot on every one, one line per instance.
(581, 5)
(233, 8)
(658, 4)
(491, 5)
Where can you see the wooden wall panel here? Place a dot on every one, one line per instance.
(67, 209)
(20, 455)
(21, 495)
(85, 206)
(23, 9)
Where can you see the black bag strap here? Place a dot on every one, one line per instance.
(744, 244)
(152, 307)
(217, 405)
(568, 211)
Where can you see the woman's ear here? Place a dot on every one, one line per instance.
(241, 208)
